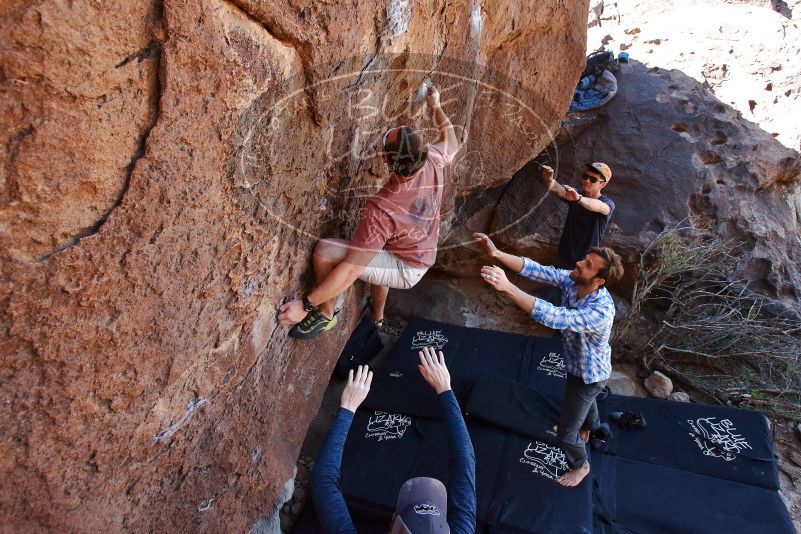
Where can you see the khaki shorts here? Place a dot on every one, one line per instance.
(387, 270)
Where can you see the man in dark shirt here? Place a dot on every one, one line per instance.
(423, 503)
(588, 212)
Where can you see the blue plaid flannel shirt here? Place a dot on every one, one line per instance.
(586, 324)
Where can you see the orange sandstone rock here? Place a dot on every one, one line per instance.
(168, 167)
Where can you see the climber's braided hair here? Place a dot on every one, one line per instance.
(407, 152)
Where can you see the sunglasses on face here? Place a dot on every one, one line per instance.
(592, 179)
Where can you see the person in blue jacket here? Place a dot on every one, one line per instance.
(424, 504)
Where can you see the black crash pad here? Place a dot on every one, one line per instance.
(382, 451)
(514, 407)
(720, 441)
(405, 391)
(307, 523)
(402, 391)
(655, 498)
(525, 496)
(693, 468)
(470, 352)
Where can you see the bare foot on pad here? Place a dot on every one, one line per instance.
(574, 477)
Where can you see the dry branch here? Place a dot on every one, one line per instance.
(709, 319)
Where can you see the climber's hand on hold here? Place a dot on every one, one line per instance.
(546, 173)
(547, 178)
(433, 97)
(292, 312)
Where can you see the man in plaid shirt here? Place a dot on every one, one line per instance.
(585, 320)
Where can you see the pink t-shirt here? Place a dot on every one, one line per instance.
(404, 218)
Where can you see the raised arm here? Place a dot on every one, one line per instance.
(496, 277)
(462, 501)
(571, 194)
(324, 481)
(446, 130)
(332, 511)
(515, 263)
(546, 175)
(524, 266)
(582, 320)
(593, 204)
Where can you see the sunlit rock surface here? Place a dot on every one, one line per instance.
(167, 170)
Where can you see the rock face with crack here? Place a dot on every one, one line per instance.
(78, 103)
(168, 167)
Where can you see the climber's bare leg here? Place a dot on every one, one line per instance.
(379, 294)
(328, 253)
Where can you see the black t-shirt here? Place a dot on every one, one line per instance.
(583, 230)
